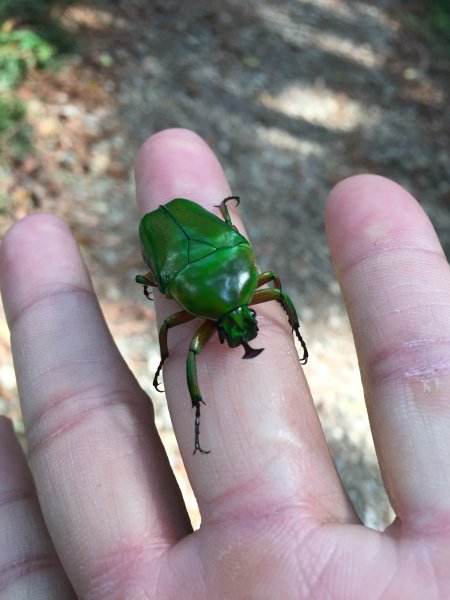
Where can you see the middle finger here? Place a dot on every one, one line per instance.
(260, 423)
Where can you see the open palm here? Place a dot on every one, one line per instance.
(102, 514)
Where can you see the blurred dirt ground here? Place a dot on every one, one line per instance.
(293, 96)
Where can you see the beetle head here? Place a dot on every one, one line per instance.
(239, 326)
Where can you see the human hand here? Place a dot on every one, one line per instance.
(275, 518)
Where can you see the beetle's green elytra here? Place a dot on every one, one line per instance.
(209, 269)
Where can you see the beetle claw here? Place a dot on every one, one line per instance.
(251, 352)
(156, 383)
(304, 358)
(147, 294)
(200, 449)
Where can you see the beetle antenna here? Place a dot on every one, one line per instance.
(249, 351)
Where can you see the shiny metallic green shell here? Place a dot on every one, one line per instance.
(198, 259)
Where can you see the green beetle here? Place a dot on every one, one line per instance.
(209, 269)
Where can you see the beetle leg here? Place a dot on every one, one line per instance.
(147, 280)
(267, 278)
(224, 209)
(201, 337)
(176, 319)
(276, 294)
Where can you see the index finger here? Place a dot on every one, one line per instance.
(103, 481)
(268, 448)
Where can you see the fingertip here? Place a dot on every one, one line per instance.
(27, 227)
(358, 189)
(177, 163)
(23, 237)
(38, 251)
(173, 136)
(366, 211)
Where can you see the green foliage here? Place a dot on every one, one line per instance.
(29, 11)
(431, 21)
(30, 37)
(11, 111)
(20, 51)
(14, 131)
(38, 16)
(439, 16)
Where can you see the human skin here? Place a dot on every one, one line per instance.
(102, 509)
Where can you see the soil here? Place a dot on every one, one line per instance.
(292, 96)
